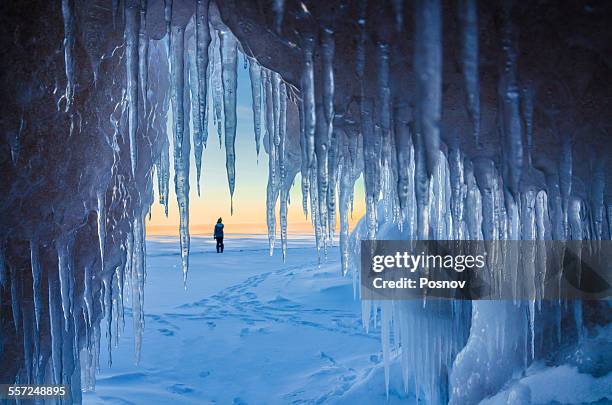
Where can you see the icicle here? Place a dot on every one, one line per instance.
(202, 43)
(36, 279)
(348, 176)
(279, 12)
(285, 185)
(15, 299)
(143, 54)
(65, 274)
(304, 168)
(459, 191)
(272, 188)
(383, 100)
(229, 59)
(163, 173)
(597, 198)
(332, 163)
(421, 187)
(100, 195)
(511, 121)
(217, 83)
(138, 279)
(88, 294)
(168, 21)
(404, 144)
(321, 149)
(255, 76)
(327, 56)
(181, 143)
(428, 70)
(565, 177)
(268, 100)
(67, 14)
(276, 82)
(308, 99)
(371, 158)
(282, 130)
(55, 322)
(527, 110)
(194, 91)
(314, 212)
(177, 84)
(469, 59)
(14, 141)
(132, 24)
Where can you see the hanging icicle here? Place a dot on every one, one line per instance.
(132, 28)
(229, 68)
(217, 83)
(181, 142)
(255, 76)
(510, 117)
(308, 99)
(203, 40)
(143, 54)
(68, 16)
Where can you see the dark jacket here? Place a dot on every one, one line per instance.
(218, 231)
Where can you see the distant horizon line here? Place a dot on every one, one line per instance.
(234, 229)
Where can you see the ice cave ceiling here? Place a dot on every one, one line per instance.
(513, 97)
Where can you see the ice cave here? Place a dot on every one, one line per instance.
(465, 120)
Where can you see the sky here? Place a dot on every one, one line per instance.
(251, 180)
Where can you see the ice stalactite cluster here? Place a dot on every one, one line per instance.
(448, 147)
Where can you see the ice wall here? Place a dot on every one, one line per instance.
(476, 120)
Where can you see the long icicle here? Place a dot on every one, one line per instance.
(229, 70)
(36, 281)
(143, 54)
(217, 83)
(372, 164)
(181, 142)
(132, 23)
(304, 168)
(283, 184)
(255, 76)
(308, 94)
(67, 14)
(510, 117)
(203, 40)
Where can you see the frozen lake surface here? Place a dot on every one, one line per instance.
(250, 329)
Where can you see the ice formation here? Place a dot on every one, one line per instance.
(470, 130)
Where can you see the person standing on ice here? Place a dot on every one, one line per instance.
(218, 234)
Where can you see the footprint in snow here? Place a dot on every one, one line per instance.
(181, 389)
(166, 332)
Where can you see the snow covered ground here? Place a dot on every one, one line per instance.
(249, 329)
